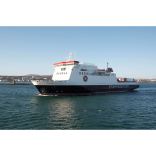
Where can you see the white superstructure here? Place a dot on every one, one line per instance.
(73, 73)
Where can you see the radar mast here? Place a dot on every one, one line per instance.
(69, 58)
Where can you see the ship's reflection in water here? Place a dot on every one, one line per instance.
(55, 112)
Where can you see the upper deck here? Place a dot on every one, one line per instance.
(68, 63)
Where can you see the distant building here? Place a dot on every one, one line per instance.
(24, 78)
(3, 80)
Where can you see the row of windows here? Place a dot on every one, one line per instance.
(83, 73)
(80, 73)
(65, 64)
(61, 73)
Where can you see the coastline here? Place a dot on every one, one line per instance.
(15, 84)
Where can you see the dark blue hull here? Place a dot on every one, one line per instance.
(85, 89)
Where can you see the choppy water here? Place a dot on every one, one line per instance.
(20, 109)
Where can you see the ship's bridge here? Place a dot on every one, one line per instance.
(68, 63)
(63, 70)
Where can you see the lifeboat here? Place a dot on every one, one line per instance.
(122, 79)
(83, 69)
(101, 69)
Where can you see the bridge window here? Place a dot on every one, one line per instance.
(63, 69)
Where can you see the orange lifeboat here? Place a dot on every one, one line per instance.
(101, 69)
(83, 69)
(121, 79)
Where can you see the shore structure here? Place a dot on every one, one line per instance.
(13, 82)
(75, 78)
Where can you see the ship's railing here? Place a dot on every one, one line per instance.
(96, 74)
(85, 63)
(41, 80)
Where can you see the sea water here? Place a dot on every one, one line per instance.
(21, 110)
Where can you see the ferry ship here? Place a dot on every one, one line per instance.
(75, 78)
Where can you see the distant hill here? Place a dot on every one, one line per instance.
(37, 75)
(32, 75)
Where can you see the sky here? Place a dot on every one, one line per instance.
(130, 51)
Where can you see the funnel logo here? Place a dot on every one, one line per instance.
(85, 78)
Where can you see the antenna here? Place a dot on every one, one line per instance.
(69, 58)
